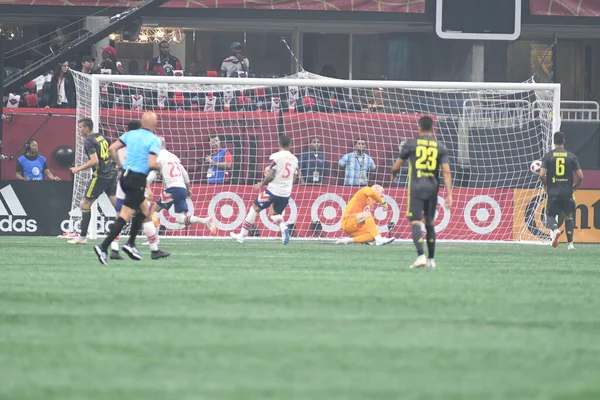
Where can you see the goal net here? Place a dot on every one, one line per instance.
(493, 132)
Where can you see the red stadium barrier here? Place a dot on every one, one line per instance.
(477, 214)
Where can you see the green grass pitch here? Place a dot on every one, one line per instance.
(218, 320)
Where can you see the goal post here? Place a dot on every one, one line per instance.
(493, 132)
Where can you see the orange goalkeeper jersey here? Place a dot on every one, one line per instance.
(362, 201)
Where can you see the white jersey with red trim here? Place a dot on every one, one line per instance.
(173, 173)
(285, 165)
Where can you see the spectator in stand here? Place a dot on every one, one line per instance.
(193, 69)
(62, 87)
(87, 65)
(32, 166)
(164, 63)
(313, 164)
(109, 61)
(236, 65)
(219, 162)
(357, 165)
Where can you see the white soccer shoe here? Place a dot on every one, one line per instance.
(209, 224)
(237, 237)
(430, 263)
(78, 240)
(345, 240)
(420, 262)
(384, 242)
(570, 246)
(555, 235)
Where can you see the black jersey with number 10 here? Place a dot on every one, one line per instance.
(425, 155)
(96, 143)
(560, 164)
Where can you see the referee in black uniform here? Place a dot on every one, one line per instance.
(425, 156)
(556, 174)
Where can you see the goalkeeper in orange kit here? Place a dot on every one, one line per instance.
(358, 221)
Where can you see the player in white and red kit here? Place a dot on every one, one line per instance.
(279, 179)
(177, 187)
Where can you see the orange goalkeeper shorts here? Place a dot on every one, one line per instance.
(351, 226)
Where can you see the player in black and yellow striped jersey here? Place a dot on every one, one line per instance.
(558, 167)
(104, 178)
(426, 156)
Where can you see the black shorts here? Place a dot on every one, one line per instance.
(101, 185)
(419, 208)
(134, 187)
(560, 205)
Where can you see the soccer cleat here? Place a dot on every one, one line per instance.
(420, 262)
(237, 237)
(114, 255)
(430, 263)
(132, 252)
(101, 255)
(209, 224)
(285, 236)
(157, 254)
(555, 235)
(570, 246)
(78, 240)
(385, 241)
(345, 240)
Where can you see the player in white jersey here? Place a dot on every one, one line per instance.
(177, 187)
(149, 226)
(279, 179)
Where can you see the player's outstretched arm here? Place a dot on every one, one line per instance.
(396, 168)
(543, 177)
(579, 174)
(269, 176)
(91, 162)
(447, 183)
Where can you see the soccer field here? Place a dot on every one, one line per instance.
(218, 320)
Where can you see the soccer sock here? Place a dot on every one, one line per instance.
(430, 240)
(114, 246)
(551, 223)
(150, 232)
(191, 219)
(136, 224)
(278, 219)
(570, 227)
(417, 238)
(248, 222)
(86, 215)
(115, 229)
(372, 228)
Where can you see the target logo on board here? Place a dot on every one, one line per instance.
(227, 210)
(482, 214)
(383, 217)
(328, 209)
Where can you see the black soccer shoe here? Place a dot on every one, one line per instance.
(115, 255)
(101, 255)
(132, 252)
(157, 254)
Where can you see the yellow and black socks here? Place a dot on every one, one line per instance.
(570, 227)
(86, 215)
(430, 240)
(417, 237)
